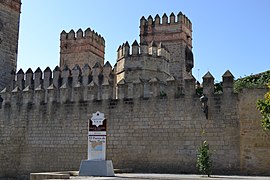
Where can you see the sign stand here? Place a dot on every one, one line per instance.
(96, 164)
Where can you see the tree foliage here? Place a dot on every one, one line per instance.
(204, 163)
(263, 105)
(254, 81)
(261, 80)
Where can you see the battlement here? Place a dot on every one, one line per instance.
(81, 48)
(166, 29)
(165, 21)
(12, 4)
(87, 34)
(94, 84)
(144, 49)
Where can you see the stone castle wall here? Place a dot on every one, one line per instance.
(45, 129)
(255, 142)
(9, 32)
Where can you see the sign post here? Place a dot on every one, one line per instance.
(96, 163)
(97, 137)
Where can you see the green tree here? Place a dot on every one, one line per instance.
(204, 163)
(263, 105)
(253, 81)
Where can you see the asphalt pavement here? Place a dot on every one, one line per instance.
(133, 176)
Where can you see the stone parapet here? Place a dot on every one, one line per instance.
(98, 83)
(166, 29)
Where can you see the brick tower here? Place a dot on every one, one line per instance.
(81, 48)
(9, 34)
(175, 34)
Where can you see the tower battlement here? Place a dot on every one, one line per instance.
(87, 34)
(165, 20)
(172, 28)
(81, 48)
(142, 62)
(151, 49)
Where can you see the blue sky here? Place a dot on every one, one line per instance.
(228, 34)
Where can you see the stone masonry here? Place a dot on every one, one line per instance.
(81, 48)
(9, 32)
(254, 142)
(146, 131)
(143, 63)
(175, 34)
(46, 129)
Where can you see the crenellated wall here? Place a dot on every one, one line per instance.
(81, 48)
(143, 62)
(48, 84)
(151, 127)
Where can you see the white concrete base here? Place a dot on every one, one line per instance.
(96, 168)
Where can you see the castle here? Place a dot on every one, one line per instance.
(154, 116)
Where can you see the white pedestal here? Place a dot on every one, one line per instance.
(96, 168)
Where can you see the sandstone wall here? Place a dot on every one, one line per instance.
(46, 129)
(255, 143)
(152, 135)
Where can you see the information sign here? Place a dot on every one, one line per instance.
(97, 137)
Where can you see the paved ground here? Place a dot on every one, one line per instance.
(73, 175)
(131, 176)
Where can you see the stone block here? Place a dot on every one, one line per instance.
(96, 168)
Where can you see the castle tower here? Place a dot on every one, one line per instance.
(81, 48)
(9, 34)
(145, 62)
(175, 33)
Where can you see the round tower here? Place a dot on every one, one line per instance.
(9, 34)
(175, 33)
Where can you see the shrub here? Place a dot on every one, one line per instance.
(204, 163)
(254, 81)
